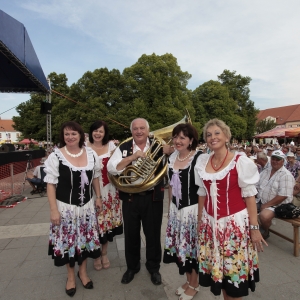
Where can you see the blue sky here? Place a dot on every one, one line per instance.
(259, 39)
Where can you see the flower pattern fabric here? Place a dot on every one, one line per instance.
(77, 236)
(110, 220)
(77, 233)
(181, 240)
(227, 259)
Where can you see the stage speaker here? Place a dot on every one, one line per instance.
(46, 108)
(7, 148)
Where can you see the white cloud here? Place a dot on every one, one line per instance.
(256, 38)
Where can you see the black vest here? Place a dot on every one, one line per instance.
(188, 187)
(158, 192)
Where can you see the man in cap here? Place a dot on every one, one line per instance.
(293, 165)
(37, 176)
(275, 187)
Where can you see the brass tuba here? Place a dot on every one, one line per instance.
(144, 169)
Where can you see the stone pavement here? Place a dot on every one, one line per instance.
(28, 273)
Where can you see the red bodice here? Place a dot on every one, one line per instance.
(105, 179)
(229, 195)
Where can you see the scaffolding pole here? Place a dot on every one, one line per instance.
(48, 118)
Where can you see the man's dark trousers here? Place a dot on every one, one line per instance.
(143, 209)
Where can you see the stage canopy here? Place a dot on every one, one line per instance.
(279, 132)
(20, 69)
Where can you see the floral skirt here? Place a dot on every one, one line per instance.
(110, 220)
(77, 237)
(227, 259)
(182, 238)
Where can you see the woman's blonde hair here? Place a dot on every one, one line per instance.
(221, 124)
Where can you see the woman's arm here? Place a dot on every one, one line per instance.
(255, 234)
(170, 198)
(54, 213)
(96, 186)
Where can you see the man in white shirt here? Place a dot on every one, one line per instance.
(275, 187)
(37, 176)
(145, 207)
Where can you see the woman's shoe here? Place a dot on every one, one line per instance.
(184, 296)
(71, 292)
(180, 290)
(98, 264)
(89, 285)
(106, 264)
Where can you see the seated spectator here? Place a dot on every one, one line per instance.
(275, 186)
(37, 177)
(296, 193)
(263, 161)
(298, 153)
(293, 165)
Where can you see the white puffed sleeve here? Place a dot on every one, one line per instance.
(200, 164)
(248, 176)
(113, 162)
(111, 147)
(51, 169)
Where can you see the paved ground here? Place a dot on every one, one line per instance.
(28, 273)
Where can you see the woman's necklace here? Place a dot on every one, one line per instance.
(183, 159)
(98, 147)
(73, 155)
(215, 167)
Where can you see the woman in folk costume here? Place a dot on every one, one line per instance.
(229, 235)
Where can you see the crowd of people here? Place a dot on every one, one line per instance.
(222, 199)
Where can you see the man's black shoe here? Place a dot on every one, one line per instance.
(128, 276)
(156, 278)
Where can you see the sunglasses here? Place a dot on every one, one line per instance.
(276, 158)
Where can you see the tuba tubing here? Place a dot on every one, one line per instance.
(144, 169)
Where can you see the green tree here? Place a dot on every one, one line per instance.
(265, 125)
(212, 100)
(159, 90)
(101, 94)
(31, 122)
(238, 88)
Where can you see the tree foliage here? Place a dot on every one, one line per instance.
(265, 125)
(212, 100)
(154, 88)
(238, 89)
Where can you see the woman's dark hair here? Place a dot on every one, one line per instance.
(72, 126)
(97, 125)
(189, 131)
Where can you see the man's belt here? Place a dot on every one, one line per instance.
(144, 193)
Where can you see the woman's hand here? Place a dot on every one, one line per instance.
(55, 217)
(199, 225)
(99, 204)
(257, 240)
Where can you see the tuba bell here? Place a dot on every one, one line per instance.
(144, 169)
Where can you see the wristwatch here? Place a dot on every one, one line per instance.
(254, 227)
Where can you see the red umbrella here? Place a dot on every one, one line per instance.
(28, 141)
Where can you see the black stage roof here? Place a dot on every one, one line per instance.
(20, 69)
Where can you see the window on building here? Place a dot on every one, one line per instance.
(8, 136)
(0, 135)
(18, 134)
